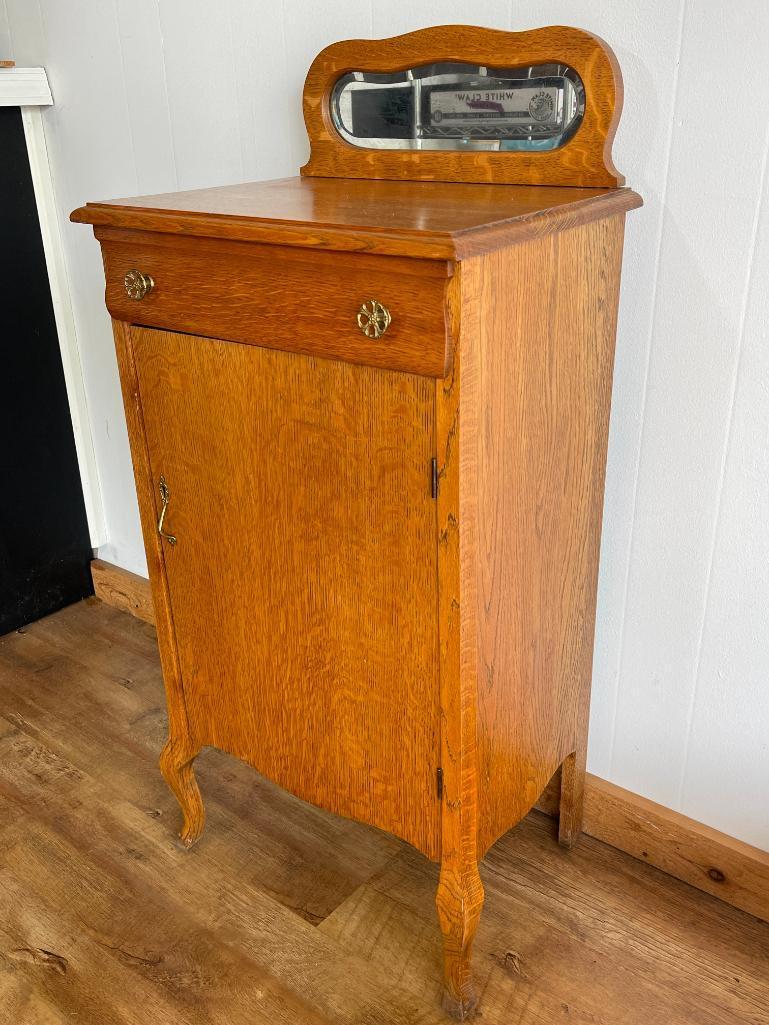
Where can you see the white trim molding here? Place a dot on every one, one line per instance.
(65, 322)
(28, 89)
(24, 87)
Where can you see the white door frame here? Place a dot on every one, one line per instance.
(28, 89)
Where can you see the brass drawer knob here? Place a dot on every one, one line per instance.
(373, 319)
(137, 285)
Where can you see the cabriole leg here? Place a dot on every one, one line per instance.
(176, 765)
(459, 901)
(572, 798)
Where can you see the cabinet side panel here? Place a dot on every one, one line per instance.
(545, 360)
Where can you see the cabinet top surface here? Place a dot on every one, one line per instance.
(423, 219)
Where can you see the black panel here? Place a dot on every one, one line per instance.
(44, 544)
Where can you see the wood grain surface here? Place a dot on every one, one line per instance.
(459, 897)
(178, 723)
(327, 614)
(303, 584)
(284, 914)
(285, 298)
(104, 917)
(539, 357)
(585, 160)
(425, 220)
(586, 936)
(714, 862)
(123, 589)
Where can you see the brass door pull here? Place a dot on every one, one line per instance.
(137, 285)
(373, 319)
(164, 497)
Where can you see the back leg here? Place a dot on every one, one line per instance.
(572, 797)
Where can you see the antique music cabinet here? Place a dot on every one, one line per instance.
(368, 413)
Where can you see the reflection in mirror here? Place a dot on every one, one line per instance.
(460, 106)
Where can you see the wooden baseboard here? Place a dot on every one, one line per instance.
(727, 868)
(712, 861)
(123, 589)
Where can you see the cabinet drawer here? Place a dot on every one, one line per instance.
(316, 303)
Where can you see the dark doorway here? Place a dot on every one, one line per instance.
(45, 549)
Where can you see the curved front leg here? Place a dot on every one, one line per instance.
(459, 901)
(176, 765)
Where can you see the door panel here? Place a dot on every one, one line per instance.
(304, 582)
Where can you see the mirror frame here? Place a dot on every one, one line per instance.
(584, 160)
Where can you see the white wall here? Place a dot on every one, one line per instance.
(155, 95)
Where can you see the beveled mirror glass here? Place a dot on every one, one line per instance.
(459, 106)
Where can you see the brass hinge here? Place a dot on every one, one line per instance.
(434, 478)
(439, 781)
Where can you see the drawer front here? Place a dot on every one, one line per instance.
(315, 303)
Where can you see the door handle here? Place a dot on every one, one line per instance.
(164, 497)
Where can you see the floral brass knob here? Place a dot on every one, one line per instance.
(373, 319)
(137, 285)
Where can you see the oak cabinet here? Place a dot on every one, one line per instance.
(368, 421)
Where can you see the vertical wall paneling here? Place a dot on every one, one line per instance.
(187, 93)
(143, 67)
(89, 139)
(202, 92)
(728, 749)
(267, 109)
(389, 19)
(26, 32)
(703, 269)
(648, 48)
(6, 46)
(306, 36)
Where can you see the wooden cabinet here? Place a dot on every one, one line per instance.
(368, 422)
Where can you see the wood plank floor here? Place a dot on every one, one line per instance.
(283, 913)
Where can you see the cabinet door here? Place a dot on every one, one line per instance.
(303, 582)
